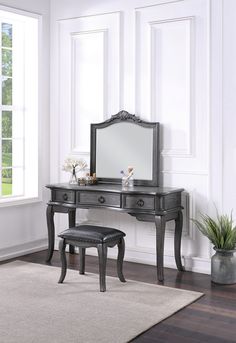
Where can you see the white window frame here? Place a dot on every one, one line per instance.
(32, 47)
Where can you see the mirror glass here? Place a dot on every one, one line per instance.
(121, 145)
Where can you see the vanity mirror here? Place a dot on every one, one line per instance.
(121, 141)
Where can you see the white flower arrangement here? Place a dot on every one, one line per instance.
(71, 164)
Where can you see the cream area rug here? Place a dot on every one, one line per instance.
(36, 309)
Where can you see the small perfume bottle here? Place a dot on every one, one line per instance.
(124, 182)
(127, 180)
(94, 179)
(130, 177)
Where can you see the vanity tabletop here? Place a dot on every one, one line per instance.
(107, 187)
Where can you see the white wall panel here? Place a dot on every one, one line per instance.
(171, 83)
(172, 45)
(228, 199)
(89, 74)
(154, 60)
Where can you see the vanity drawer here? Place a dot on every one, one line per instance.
(99, 199)
(63, 196)
(139, 202)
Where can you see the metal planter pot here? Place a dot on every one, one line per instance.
(223, 267)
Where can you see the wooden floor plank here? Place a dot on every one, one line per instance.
(212, 319)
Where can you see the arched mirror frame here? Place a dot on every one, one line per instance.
(131, 118)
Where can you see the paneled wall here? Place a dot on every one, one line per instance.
(152, 58)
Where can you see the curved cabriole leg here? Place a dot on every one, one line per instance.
(71, 218)
(177, 243)
(62, 247)
(51, 232)
(120, 259)
(160, 236)
(81, 260)
(102, 255)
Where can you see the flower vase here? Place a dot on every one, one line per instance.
(223, 267)
(127, 182)
(73, 178)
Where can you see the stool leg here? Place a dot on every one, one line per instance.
(71, 219)
(81, 260)
(120, 258)
(102, 255)
(62, 247)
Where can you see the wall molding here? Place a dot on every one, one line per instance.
(23, 249)
(194, 35)
(89, 15)
(163, 2)
(191, 213)
(75, 34)
(75, 148)
(186, 172)
(216, 103)
(189, 151)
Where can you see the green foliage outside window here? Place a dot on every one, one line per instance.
(6, 181)
(6, 153)
(6, 162)
(6, 72)
(6, 35)
(6, 124)
(7, 91)
(6, 62)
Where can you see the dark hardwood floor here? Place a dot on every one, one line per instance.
(211, 319)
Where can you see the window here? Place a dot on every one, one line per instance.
(19, 106)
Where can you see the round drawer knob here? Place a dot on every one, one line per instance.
(65, 196)
(101, 199)
(140, 202)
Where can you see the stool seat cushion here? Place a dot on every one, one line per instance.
(92, 234)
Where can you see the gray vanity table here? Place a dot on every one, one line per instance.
(123, 140)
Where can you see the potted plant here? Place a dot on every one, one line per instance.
(222, 234)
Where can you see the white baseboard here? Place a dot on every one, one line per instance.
(198, 264)
(138, 255)
(23, 249)
(193, 264)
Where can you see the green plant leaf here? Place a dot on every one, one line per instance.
(220, 232)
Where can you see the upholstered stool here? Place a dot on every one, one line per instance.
(86, 236)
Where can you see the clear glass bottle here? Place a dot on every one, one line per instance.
(130, 177)
(127, 181)
(131, 182)
(73, 178)
(124, 182)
